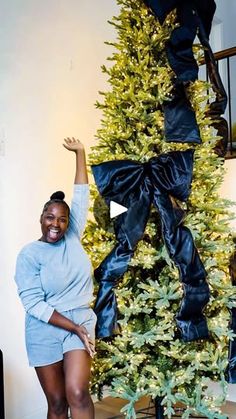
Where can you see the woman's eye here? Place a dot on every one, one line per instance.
(49, 217)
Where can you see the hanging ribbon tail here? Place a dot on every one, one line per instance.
(107, 275)
(180, 245)
(179, 115)
(179, 242)
(190, 320)
(193, 329)
(124, 182)
(179, 47)
(231, 368)
(106, 310)
(180, 122)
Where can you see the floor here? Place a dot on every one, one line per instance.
(109, 408)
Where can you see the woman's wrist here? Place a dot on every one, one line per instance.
(80, 149)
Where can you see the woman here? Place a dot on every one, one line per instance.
(53, 275)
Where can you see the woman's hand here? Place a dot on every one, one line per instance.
(81, 175)
(85, 337)
(72, 144)
(59, 320)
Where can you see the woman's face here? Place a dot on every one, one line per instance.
(54, 222)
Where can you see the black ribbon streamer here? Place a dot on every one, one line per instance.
(137, 186)
(231, 368)
(194, 18)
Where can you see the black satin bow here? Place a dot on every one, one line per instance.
(137, 186)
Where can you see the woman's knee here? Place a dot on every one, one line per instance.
(57, 404)
(78, 397)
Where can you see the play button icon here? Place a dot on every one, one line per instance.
(116, 209)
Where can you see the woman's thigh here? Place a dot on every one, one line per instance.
(77, 369)
(52, 380)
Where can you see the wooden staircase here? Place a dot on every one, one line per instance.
(225, 57)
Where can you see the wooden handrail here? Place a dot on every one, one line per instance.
(225, 53)
(220, 55)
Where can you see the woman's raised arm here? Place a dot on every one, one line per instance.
(81, 174)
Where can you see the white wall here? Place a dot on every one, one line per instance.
(50, 57)
(223, 37)
(228, 189)
(226, 13)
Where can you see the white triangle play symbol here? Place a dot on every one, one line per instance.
(116, 209)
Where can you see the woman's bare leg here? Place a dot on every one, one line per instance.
(52, 381)
(77, 369)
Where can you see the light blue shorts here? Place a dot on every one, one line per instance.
(46, 344)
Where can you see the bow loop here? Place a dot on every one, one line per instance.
(116, 179)
(169, 173)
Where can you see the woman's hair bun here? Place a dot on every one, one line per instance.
(58, 195)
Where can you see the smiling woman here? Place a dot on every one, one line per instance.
(55, 218)
(53, 275)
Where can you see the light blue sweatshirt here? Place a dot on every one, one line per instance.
(57, 275)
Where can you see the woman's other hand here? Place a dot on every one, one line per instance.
(85, 337)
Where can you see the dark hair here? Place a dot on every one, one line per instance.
(56, 198)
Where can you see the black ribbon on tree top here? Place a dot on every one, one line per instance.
(194, 18)
(190, 13)
(137, 185)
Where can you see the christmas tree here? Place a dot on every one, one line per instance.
(147, 357)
